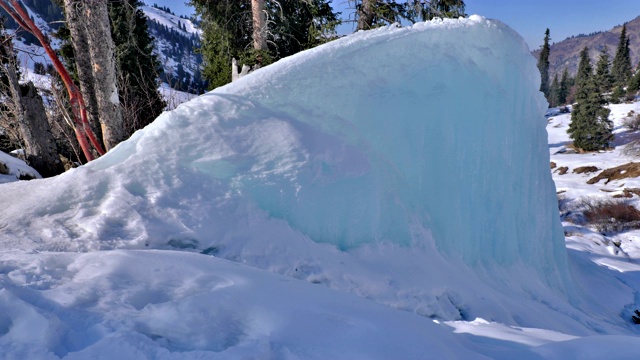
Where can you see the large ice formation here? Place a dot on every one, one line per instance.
(428, 137)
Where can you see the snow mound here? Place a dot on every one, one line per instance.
(169, 305)
(403, 170)
(406, 165)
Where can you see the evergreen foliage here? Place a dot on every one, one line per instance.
(543, 65)
(603, 77)
(163, 8)
(584, 68)
(391, 11)
(554, 92)
(634, 82)
(566, 82)
(137, 65)
(293, 26)
(617, 95)
(590, 126)
(621, 68)
(446, 9)
(47, 10)
(181, 47)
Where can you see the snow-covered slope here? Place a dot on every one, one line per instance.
(386, 195)
(184, 26)
(175, 46)
(176, 40)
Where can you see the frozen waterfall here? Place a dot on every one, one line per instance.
(427, 137)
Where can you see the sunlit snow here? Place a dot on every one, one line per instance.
(384, 196)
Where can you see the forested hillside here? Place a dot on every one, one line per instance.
(566, 53)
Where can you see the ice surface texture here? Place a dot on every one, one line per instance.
(428, 136)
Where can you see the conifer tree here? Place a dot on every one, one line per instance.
(374, 13)
(291, 26)
(585, 70)
(634, 82)
(603, 76)
(621, 68)
(138, 66)
(543, 65)
(565, 86)
(590, 127)
(446, 9)
(554, 92)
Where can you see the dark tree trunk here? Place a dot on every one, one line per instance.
(93, 20)
(83, 66)
(365, 14)
(259, 25)
(40, 147)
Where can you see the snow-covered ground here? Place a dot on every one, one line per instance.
(174, 97)
(573, 187)
(384, 196)
(11, 169)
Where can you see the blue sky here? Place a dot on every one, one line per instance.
(528, 17)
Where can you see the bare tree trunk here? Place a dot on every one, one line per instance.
(40, 147)
(83, 65)
(365, 15)
(259, 25)
(81, 125)
(94, 20)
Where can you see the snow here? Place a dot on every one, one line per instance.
(14, 169)
(174, 97)
(171, 21)
(386, 195)
(28, 55)
(164, 48)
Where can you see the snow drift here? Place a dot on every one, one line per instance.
(405, 165)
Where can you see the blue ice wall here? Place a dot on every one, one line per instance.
(427, 136)
(439, 126)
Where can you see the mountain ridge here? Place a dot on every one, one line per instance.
(175, 41)
(566, 53)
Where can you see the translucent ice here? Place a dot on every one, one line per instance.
(425, 136)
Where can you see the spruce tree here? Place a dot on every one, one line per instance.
(227, 32)
(603, 76)
(374, 13)
(543, 65)
(621, 68)
(634, 82)
(565, 86)
(554, 92)
(590, 127)
(585, 70)
(444, 9)
(138, 66)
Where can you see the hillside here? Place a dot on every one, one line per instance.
(566, 53)
(175, 42)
